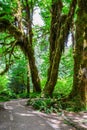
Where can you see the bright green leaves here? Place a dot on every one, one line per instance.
(6, 9)
(65, 78)
(66, 5)
(18, 73)
(3, 83)
(66, 64)
(45, 12)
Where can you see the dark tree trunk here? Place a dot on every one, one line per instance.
(77, 60)
(57, 45)
(54, 32)
(80, 58)
(29, 52)
(48, 90)
(83, 82)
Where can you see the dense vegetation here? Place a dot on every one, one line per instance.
(47, 58)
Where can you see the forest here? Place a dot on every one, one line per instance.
(43, 53)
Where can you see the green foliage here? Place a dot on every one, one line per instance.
(6, 95)
(66, 64)
(18, 75)
(15, 86)
(34, 95)
(3, 83)
(44, 65)
(22, 95)
(6, 9)
(42, 57)
(45, 12)
(46, 105)
(43, 82)
(65, 80)
(75, 104)
(63, 86)
(66, 4)
(56, 104)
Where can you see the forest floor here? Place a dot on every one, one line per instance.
(15, 115)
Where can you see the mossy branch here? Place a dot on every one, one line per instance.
(66, 26)
(5, 25)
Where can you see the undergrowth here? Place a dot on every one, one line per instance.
(46, 105)
(56, 105)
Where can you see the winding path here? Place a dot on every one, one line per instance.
(17, 116)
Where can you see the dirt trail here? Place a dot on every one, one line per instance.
(17, 116)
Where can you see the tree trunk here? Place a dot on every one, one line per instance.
(80, 58)
(23, 39)
(48, 90)
(29, 52)
(82, 87)
(63, 28)
(77, 60)
(54, 32)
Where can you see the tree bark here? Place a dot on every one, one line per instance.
(29, 52)
(61, 36)
(80, 58)
(24, 40)
(54, 31)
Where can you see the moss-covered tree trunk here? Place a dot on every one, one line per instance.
(22, 38)
(57, 40)
(83, 78)
(28, 48)
(29, 52)
(54, 31)
(80, 58)
(78, 50)
(48, 90)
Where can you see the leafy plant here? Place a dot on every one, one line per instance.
(46, 105)
(3, 83)
(18, 75)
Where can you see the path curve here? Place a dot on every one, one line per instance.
(15, 116)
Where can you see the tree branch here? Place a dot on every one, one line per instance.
(67, 25)
(5, 25)
(9, 52)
